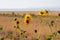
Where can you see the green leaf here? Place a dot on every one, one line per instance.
(24, 31)
(47, 22)
(18, 26)
(10, 35)
(36, 39)
(55, 33)
(48, 37)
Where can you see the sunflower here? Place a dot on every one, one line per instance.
(27, 18)
(43, 12)
(16, 23)
(46, 12)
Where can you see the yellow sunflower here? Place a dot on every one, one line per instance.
(46, 12)
(27, 18)
(43, 12)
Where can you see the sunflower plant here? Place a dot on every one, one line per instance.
(27, 18)
(16, 23)
(48, 37)
(46, 11)
(43, 12)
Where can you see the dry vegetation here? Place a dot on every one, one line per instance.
(12, 26)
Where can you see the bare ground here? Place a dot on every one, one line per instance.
(35, 24)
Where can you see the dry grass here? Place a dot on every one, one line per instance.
(38, 23)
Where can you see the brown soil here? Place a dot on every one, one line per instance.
(42, 28)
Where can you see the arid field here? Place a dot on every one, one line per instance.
(13, 27)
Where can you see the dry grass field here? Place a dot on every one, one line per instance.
(12, 26)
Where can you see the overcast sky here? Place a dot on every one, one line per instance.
(30, 4)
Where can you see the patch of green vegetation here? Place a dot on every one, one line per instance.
(48, 37)
(23, 31)
(1, 28)
(55, 33)
(36, 39)
(18, 27)
(50, 16)
(58, 31)
(47, 22)
(1, 38)
(54, 16)
(10, 36)
(23, 34)
(52, 22)
(9, 15)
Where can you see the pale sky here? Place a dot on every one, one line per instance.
(30, 4)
